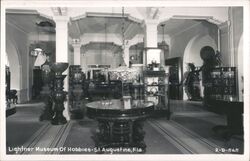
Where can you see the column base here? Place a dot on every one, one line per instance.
(46, 115)
(47, 112)
(58, 121)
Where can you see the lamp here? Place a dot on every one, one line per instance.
(37, 50)
(163, 44)
(163, 25)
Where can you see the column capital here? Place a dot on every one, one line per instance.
(76, 43)
(151, 22)
(127, 43)
(61, 18)
(226, 24)
(153, 12)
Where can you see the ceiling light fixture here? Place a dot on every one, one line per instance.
(37, 50)
(163, 26)
(163, 45)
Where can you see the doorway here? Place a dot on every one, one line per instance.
(175, 77)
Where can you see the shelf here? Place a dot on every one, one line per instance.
(155, 85)
(223, 83)
(150, 73)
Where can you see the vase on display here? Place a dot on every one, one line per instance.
(58, 95)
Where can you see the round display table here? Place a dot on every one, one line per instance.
(119, 127)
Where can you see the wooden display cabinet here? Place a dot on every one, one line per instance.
(155, 90)
(222, 84)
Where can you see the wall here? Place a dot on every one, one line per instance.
(237, 29)
(231, 44)
(225, 45)
(192, 51)
(13, 59)
(187, 44)
(104, 57)
(137, 55)
(20, 39)
(180, 41)
(192, 54)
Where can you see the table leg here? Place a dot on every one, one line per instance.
(138, 135)
(131, 131)
(111, 131)
(128, 134)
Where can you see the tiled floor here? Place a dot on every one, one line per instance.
(189, 131)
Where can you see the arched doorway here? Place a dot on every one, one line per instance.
(192, 53)
(14, 66)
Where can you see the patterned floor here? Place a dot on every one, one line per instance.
(189, 131)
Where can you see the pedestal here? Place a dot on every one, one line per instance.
(76, 92)
(48, 112)
(58, 94)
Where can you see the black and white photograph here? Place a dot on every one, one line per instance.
(125, 80)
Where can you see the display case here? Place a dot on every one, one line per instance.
(155, 88)
(76, 91)
(221, 84)
(221, 98)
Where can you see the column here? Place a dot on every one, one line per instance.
(151, 33)
(151, 41)
(61, 38)
(126, 55)
(77, 54)
(62, 52)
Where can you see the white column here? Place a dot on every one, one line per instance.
(126, 55)
(77, 54)
(61, 38)
(151, 40)
(151, 33)
(62, 52)
(84, 62)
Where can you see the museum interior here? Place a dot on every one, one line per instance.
(118, 80)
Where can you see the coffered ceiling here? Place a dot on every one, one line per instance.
(104, 25)
(87, 21)
(101, 46)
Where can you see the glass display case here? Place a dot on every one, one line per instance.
(154, 86)
(222, 84)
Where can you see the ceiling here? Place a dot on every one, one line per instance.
(101, 24)
(26, 21)
(101, 46)
(105, 24)
(174, 26)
